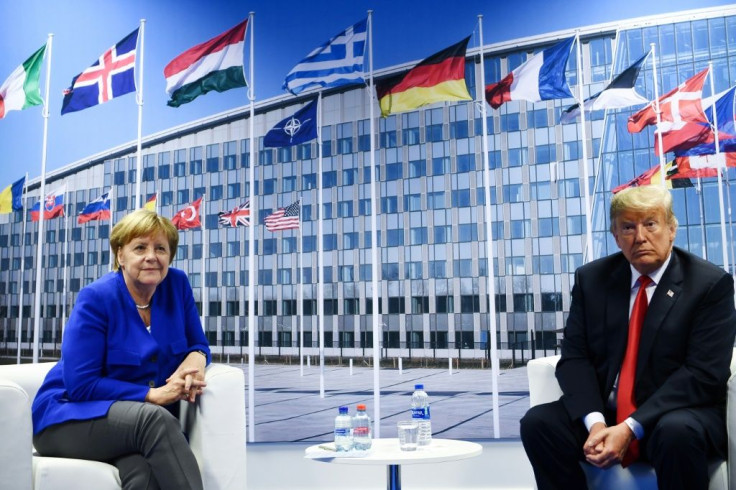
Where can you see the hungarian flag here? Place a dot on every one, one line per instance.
(683, 122)
(188, 217)
(21, 90)
(441, 77)
(541, 77)
(216, 64)
(674, 179)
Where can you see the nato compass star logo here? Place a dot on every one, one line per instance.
(293, 126)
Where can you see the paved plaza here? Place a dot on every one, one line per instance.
(288, 406)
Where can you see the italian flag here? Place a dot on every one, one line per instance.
(216, 64)
(21, 89)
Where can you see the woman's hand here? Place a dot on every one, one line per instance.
(182, 385)
(198, 362)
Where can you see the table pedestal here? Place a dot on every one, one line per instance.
(393, 477)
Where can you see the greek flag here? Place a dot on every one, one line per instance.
(337, 62)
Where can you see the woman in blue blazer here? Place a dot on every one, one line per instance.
(133, 347)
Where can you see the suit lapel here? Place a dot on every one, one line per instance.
(664, 298)
(618, 293)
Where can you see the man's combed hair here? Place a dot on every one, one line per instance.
(142, 222)
(640, 200)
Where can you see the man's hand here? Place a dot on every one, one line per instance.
(606, 446)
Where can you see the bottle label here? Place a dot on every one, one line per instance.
(342, 432)
(361, 432)
(420, 413)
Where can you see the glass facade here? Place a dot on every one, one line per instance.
(433, 271)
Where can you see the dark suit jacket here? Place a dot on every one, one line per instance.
(686, 341)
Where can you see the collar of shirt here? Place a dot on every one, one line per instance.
(655, 276)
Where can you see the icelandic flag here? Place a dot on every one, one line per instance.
(53, 206)
(294, 130)
(337, 62)
(112, 75)
(621, 92)
(541, 77)
(99, 209)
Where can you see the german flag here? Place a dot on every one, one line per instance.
(441, 77)
(674, 178)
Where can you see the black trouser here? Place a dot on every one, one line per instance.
(144, 441)
(678, 447)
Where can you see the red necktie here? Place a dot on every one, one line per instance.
(625, 404)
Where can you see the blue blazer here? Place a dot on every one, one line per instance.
(107, 355)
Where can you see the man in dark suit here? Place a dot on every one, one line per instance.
(680, 366)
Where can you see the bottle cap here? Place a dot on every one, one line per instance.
(343, 409)
(419, 387)
(360, 407)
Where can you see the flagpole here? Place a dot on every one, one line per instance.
(658, 134)
(251, 244)
(39, 245)
(139, 100)
(699, 191)
(66, 269)
(489, 247)
(112, 218)
(300, 272)
(724, 239)
(320, 257)
(377, 333)
(584, 137)
(22, 269)
(205, 300)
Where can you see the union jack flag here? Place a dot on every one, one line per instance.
(283, 218)
(240, 216)
(112, 75)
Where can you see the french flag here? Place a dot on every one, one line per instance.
(541, 77)
(99, 209)
(53, 206)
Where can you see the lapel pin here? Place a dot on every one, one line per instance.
(670, 293)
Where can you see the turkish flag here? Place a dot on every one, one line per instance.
(188, 217)
(683, 123)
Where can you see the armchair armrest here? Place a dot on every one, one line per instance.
(731, 421)
(17, 432)
(215, 425)
(543, 385)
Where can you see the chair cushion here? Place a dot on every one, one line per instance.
(641, 476)
(66, 473)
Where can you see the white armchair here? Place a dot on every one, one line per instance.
(215, 425)
(543, 388)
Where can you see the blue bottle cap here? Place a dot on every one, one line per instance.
(419, 387)
(343, 410)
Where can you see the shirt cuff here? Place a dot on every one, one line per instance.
(635, 427)
(593, 418)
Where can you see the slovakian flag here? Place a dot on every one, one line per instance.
(674, 178)
(439, 78)
(283, 218)
(188, 217)
(621, 92)
(724, 116)
(112, 75)
(240, 216)
(336, 63)
(99, 210)
(216, 64)
(541, 77)
(53, 206)
(11, 198)
(294, 130)
(21, 90)
(683, 122)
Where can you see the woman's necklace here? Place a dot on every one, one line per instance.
(143, 307)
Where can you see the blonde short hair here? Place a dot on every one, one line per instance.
(142, 222)
(642, 199)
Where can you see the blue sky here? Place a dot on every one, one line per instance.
(285, 31)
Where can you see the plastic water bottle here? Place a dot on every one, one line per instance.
(343, 430)
(361, 430)
(420, 413)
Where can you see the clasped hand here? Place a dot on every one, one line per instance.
(606, 446)
(186, 383)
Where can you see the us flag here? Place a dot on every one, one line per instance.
(283, 218)
(240, 216)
